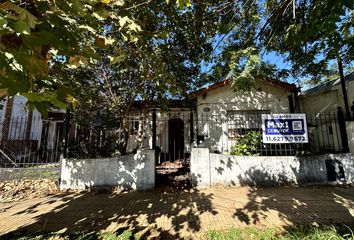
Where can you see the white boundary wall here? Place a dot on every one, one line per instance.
(210, 169)
(131, 171)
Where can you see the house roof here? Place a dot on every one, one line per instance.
(285, 85)
(327, 86)
(3, 93)
(166, 103)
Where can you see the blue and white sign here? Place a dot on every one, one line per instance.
(284, 128)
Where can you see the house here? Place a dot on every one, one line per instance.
(24, 134)
(327, 97)
(323, 102)
(233, 114)
(216, 117)
(14, 120)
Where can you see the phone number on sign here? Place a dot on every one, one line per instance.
(286, 138)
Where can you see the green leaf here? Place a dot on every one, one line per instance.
(36, 65)
(49, 97)
(22, 27)
(183, 3)
(56, 102)
(117, 59)
(129, 23)
(119, 3)
(18, 13)
(33, 97)
(3, 23)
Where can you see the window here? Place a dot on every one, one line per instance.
(239, 122)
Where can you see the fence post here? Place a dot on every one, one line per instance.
(154, 129)
(342, 129)
(66, 132)
(191, 130)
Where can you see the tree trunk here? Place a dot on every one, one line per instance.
(344, 89)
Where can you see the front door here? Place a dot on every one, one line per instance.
(175, 139)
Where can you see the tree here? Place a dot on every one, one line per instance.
(158, 38)
(32, 33)
(167, 44)
(311, 35)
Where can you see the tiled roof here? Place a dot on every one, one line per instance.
(285, 85)
(328, 85)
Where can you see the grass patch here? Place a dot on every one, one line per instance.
(236, 233)
(304, 232)
(125, 235)
(296, 233)
(33, 172)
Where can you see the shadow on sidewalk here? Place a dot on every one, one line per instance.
(311, 205)
(138, 211)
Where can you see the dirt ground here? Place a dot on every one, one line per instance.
(11, 191)
(16, 190)
(173, 178)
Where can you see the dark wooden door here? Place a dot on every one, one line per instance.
(175, 139)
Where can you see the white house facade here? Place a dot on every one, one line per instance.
(216, 118)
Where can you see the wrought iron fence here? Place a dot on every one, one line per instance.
(240, 133)
(30, 147)
(123, 136)
(172, 134)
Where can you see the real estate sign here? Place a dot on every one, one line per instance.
(284, 128)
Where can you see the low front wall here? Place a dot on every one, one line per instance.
(130, 171)
(209, 169)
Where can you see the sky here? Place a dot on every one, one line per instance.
(281, 63)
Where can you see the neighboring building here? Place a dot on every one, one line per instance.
(323, 102)
(25, 133)
(327, 97)
(14, 120)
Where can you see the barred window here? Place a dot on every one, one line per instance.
(239, 122)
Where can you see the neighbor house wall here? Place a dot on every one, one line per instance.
(350, 135)
(3, 105)
(320, 103)
(19, 119)
(326, 100)
(208, 169)
(131, 171)
(323, 104)
(350, 92)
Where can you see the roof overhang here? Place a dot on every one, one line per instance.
(287, 86)
(3, 93)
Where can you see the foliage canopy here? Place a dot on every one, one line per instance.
(152, 50)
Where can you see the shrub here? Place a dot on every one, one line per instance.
(248, 145)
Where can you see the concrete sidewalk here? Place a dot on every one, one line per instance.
(183, 214)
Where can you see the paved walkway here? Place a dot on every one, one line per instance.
(183, 214)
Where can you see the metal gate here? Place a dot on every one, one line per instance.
(30, 147)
